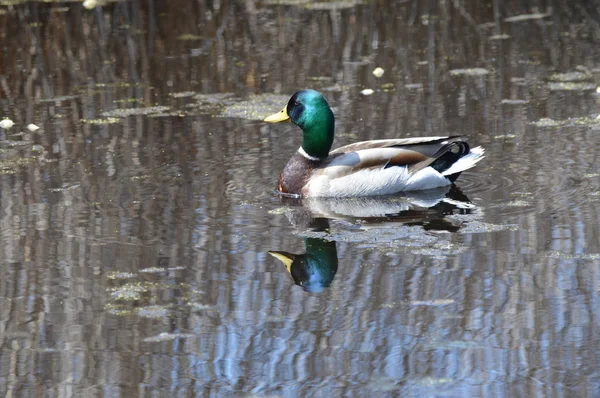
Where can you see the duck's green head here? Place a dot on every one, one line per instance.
(309, 110)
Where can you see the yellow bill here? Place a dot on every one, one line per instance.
(286, 258)
(280, 116)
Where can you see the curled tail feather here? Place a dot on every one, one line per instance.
(465, 163)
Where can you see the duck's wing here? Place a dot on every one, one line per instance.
(396, 142)
(413, 153)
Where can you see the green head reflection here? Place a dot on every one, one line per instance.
(315, 269)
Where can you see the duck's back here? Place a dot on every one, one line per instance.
(383, 167)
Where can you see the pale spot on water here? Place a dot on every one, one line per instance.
(469, 72)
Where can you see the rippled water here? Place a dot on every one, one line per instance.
(145, 253)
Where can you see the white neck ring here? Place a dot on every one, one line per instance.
(302, 152)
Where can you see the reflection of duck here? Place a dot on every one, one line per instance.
(367, 168)
(411, 207)
(313, 270)
(419, 203)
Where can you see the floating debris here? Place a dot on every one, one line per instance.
(518, 203)
(320, 78)
(6, 123)
(127, 295)
(525, 17)
(414, 86)
(58, 99)
(65, 188)
(440, 250)
(90, 4)
(152, 311)
(571, 86)
(139, 178)
(135, 111)
(129, 292)
(120, 84)
(317, 5)
(202, 306)
(120, 275)
(108, 120)
(483, 227)
(567, 256)
(575, 121)
(499, 37)
(383, 385)
(59, 9)
(32, 127)
(378, 72)
(434, 303)
(189, 37)
(129, 101)
(183, 94)
(510, 101)
(335, 88)
(583, 121)
(546, 122)
(523, 194)
(447, 344)
(167, 114)
(215, 98)
(279, 211)
(469, 72)
(12, 144)
(367, 91)
(434, 381)
(255, 107)
(471, 224)
(388, 87)
(117, 309)
(8, 166)
(332, 5)
(167, 337)
(152, 270)
(504, 136)
(579, 75)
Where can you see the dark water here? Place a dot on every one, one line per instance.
(134, 254)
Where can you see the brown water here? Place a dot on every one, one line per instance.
(134, 254)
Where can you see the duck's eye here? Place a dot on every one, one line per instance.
(296, 103)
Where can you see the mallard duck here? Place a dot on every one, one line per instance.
(368, 168)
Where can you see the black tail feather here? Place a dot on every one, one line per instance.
(458, 150)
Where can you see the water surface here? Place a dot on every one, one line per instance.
(136, 223)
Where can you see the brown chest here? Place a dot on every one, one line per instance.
(296, 174)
